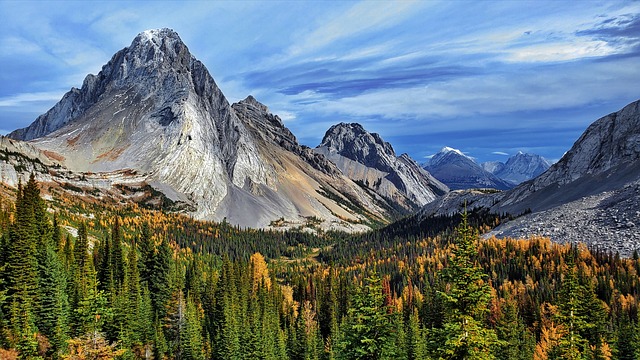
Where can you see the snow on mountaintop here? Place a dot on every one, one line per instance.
(447, 149)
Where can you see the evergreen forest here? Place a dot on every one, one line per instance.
(84, 280)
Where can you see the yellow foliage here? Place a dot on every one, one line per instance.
(259, 271)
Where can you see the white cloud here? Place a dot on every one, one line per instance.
(26, 99)
(562, 51)
(286, 116)
(17, 46)
(363, 16)
(500, 153)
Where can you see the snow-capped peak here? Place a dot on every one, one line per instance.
(447, 149)
(151, 34)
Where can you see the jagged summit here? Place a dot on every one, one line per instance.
(156, 64)
(353, 141)
(518, 168)
(367, 158)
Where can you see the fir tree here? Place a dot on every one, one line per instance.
(463, 334)
(368, 330)
(159, 279)
(516, 340)
(53, 310)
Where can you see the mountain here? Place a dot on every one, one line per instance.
(365, 157)
(155, 111)
(592, 194)
(492, 166)
(459, 171)
(518, 168)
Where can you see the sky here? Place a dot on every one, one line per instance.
(487, 77)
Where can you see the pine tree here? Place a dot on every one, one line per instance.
(21, 269)
(147, 249)
(159, 279)
(463, 334)
(368, 330)
(191, 342)
(571, 316)
(416, 341)
(53, 309)
(516, 340)
(81, 248)
(626, 346)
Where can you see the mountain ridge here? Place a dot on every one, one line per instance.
(155, 109)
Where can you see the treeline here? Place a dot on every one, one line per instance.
(125, 289)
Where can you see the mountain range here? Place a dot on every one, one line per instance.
(155, 117)
(459, 171)
(153, 127)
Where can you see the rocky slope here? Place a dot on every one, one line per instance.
(590, 195)
(518, 168)
(156, 110)
(365, 157)
(459, 171)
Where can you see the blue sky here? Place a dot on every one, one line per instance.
(487, 77)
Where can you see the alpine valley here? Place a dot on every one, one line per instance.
(144, 216)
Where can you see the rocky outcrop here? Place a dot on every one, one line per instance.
(365, 157)
(459, 171)
(155, 109)
(518, 168)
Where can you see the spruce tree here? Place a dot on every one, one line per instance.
(463, 334)
(516, 342)
(159, 279)
(53, 309)
(368, 330)
(191, 342)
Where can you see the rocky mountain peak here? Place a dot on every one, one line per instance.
(356, 143)
(251, 101)
(450, 155)
(447, 149)
(518, 168)
(157, 67)
(365, 157)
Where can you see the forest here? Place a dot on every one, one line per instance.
(81, 280)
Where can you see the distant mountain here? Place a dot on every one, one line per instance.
(492, 166)
(459, 171)
(518, 168)
(155, 111)
(592, 194)
(365, 157)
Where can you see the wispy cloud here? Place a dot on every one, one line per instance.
(27, 99)
(361, 17)
(500, 153)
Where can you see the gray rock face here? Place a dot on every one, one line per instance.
(155, 109)
(518, 168)
(368, 159)
(458, 171)
(19, 159)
